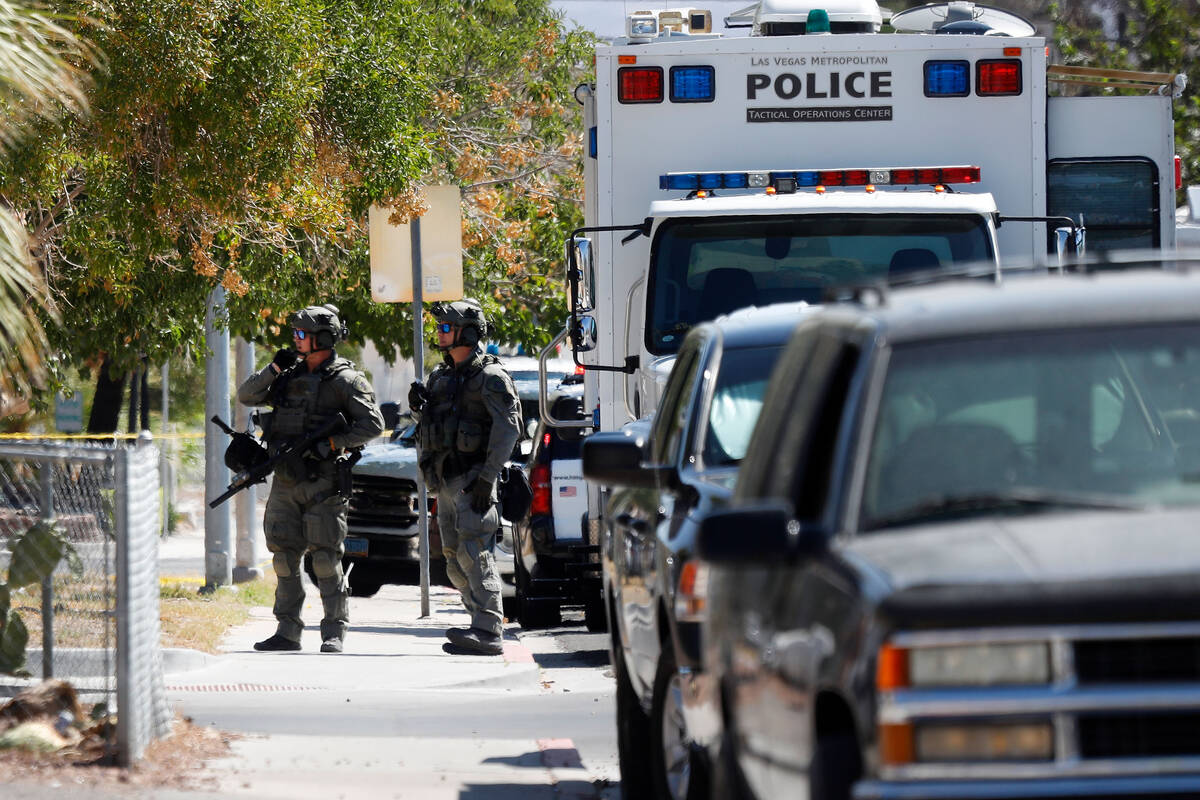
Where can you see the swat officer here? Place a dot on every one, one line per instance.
(469, 419)
(306, 509)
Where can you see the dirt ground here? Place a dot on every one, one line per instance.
(175, 762)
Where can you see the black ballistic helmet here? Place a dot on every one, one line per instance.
(467, 316)
(322, 322)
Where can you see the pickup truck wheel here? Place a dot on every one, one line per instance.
(680, 771)
(363, 582)
(633, 737)
(835, 766)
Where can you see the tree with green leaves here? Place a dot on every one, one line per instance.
(241, 143)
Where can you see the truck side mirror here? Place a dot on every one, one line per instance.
(585, 335)
(762, 533)
(581, 276)
(1069, 243)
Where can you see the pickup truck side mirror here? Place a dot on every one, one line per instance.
(758, 534)
(614, 458)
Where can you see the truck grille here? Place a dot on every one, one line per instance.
(1138, 660)
(383, 502)
(1139, 735)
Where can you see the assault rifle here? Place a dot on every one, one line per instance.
(259, 472)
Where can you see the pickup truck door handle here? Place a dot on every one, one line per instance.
(635, 524)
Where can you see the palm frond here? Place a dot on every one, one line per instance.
(43, 68)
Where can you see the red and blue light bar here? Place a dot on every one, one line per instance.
(898, 176)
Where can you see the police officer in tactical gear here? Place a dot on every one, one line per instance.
(306, 509)
(469, 420)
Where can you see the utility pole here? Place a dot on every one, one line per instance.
(217, 563)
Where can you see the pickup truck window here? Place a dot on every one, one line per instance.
(671, 419)
(1110, 417)
(707, 266)
(736, 402)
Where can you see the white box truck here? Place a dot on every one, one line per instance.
(728, 172)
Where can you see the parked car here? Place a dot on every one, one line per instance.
(524, 372)
(960, 559)
(684, 465)
(555, 565)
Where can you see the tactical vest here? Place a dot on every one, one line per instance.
(298, 410)
(456, 418)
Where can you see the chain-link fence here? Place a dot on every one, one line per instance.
(79, 524)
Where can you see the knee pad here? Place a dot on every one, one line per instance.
(323, 564)
(282, 568)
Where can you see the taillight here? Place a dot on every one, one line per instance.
(1178, 174)
(1000, 77)
(640, 85)
(540, 481)
(691, 598)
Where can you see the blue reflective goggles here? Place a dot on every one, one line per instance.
(444, 327)
(299, 334)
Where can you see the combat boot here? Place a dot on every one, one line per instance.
(476, 641)
(277, 643)
(331, 645)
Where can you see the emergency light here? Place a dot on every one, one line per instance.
(693, 84)
(787, 180)
(640, 84)
(947, 79)
(998, 77)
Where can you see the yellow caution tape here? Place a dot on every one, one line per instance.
(99, 436)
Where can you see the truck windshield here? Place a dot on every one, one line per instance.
(1015, 424)
(707, 266)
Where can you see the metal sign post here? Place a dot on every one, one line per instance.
(419, 369)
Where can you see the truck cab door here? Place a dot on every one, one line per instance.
(1111, 160)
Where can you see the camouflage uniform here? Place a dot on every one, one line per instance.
(304, 510)
(467, 431)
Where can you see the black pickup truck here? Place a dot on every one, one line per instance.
(962, 559)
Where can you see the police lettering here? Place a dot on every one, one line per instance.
(816, 86)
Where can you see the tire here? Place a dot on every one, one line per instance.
(836, 765)
(510, 605)
(593, 613)
(633, 736)
(679, 769)
(363, 581)
(727, 781)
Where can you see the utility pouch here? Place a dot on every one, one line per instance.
(449, 433)
(470, 437)
(345, 473)
(263, 419)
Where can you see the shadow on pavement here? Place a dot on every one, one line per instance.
(575, 658)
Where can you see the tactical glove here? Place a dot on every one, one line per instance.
(285, 359)
(418, 396)
(481, 495)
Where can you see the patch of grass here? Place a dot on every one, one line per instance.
(199, 621)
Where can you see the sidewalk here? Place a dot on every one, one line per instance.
(392, 716)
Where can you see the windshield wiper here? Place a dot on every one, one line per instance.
(1017, 499)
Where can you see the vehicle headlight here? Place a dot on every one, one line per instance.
(986, 664)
